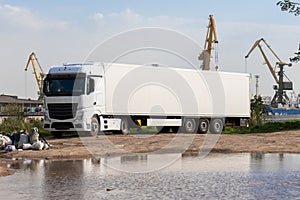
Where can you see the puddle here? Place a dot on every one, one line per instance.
(218, 176)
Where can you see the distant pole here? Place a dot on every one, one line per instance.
(257, 85)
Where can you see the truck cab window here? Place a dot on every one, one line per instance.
(64, 85)
(91, 86)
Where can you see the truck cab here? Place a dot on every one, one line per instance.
(73, 94)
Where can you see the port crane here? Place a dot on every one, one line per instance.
(39, 76)
(280, 96)
(210, 40)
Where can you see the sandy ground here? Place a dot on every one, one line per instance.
(113, 145)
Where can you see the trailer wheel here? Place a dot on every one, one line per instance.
(95, 126)
(124, 126)
(216, 126)
(189, 125)
(203, 126)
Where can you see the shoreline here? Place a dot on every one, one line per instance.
(78, 148)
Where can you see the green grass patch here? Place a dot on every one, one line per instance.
(14, 124)
(265, 128)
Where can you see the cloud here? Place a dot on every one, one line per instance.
(125, 17)
(130, 18)
(128, 14)
(17, 16)
(20, 17)
(97, 17)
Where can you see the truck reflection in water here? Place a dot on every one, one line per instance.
(274, 162)
(218, 176)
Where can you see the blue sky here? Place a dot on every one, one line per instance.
(233, 10)
(67, 30)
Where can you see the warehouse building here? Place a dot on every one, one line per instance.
(29, 108)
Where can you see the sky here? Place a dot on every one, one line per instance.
(62, 31)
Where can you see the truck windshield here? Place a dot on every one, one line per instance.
(64, 85)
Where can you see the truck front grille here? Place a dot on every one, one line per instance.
(62, 110)
(62, 125)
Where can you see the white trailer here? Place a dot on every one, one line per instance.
(99, 97)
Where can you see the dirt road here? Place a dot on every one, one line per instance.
(112, 145)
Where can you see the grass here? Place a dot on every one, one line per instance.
(266, 127)
(10, 125)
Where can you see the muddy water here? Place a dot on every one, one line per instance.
(218, 176)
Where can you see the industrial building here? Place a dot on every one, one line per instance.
(30, 108)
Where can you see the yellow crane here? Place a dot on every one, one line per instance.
(280, 96)
(39, 76)
(210, 40)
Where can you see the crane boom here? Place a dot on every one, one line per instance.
(211, 38)
(268, 64)
(280, 96)
(272, 70)
(38, 76)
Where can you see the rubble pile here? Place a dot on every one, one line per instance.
(23, 140)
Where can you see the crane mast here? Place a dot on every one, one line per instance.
(280, 96)
(211, 38)
(39, 76)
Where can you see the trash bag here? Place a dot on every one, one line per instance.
(34, 135)
(46, 146)
(23, 140)
(26, 146)
(39, 145)
(10, 148)
(15, 137)
(8, 140)
(4, 141)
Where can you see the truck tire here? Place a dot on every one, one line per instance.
(124, 126)
(189, 126)
(203, 126)
(95, 126)
(216, 126)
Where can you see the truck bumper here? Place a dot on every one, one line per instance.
(106, 124)
(66, 126)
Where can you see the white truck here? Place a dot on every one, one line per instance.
(112, 97)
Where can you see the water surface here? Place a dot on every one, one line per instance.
(218, 176)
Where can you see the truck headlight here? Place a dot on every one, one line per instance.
(46, 117)
(79, 116)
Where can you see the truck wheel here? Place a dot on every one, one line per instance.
(189, 125)
(216, 126)
(95, 126)
(203, 126)
(124, 126)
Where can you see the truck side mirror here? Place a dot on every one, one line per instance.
(91, 86)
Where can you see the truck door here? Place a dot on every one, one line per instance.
(95, 91)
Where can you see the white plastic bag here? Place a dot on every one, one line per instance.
(34, 135)
(39, 145)
(26, 146)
